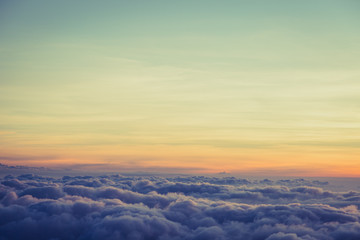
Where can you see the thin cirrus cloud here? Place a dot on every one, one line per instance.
(178, 83)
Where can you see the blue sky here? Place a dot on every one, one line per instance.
(257, 84)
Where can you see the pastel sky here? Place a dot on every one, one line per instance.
(250, 87)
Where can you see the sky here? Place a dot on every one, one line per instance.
(248, 87)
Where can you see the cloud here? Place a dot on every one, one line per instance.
(43, 192)
(153, 207)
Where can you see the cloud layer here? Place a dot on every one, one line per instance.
(152, 207)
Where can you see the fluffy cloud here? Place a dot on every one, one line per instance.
(152, 207)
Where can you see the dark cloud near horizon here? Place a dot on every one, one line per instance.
(153, 207)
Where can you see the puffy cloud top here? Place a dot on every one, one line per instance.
(153, 207)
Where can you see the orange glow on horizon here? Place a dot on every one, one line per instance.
(195, 159)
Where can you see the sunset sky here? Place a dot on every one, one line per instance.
(249, 87)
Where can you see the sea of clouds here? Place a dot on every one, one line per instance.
(178, 207)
